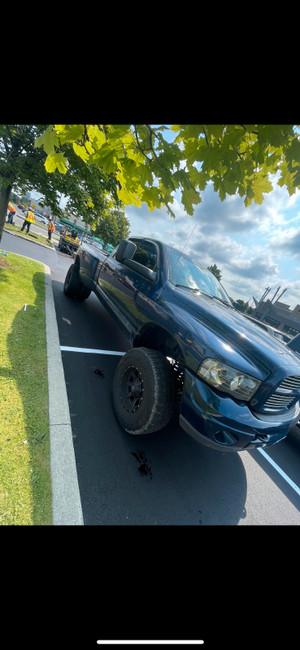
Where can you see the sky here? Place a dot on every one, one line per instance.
(254, 247)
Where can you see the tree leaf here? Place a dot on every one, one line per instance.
(56, 161)
(129, 198)
(48, 140)
(80, 151)
(190, 198)
(50, 164)
(151, 196)
(260, 185)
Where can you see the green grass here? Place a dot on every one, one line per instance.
(25, 481)
(32, 236)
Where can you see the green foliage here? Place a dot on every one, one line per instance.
(31, 158)
(236, 158)
(100, 167)
(243, 306)
(112, 227)
(216, 271)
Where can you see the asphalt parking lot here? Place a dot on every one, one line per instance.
(165, 478)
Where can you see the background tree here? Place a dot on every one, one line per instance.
(243, 306)
(216, 271)
(90, 190)
(112, 227)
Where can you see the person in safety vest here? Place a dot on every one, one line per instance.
(12, 212)
(29, 219)
(51, 228)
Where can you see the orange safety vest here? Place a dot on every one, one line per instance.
(30, 217)
(51, 226)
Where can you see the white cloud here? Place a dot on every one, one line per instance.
(254, 247)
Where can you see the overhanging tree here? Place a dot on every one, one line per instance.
(236, 158)
(136, 164)
(90, 191)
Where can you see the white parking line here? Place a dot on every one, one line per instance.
(280, 471)
(66, 348)
(151, 642)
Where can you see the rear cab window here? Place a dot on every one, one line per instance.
(146, 253)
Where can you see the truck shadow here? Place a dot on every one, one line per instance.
(198, 485)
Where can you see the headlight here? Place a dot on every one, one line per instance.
(228, 379)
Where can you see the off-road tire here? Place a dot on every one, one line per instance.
(83, 293)
(73, 286)
(143, 391)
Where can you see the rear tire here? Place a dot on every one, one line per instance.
(83, 293)
(73, 286)
(143, 391)
(72, 282)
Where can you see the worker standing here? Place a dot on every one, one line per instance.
(29, 219)
(51, 228)
(12, 212)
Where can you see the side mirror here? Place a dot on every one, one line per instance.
(141, 269)
(126, 249)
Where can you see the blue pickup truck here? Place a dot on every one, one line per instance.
(237, 386)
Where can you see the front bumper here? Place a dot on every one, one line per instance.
(222, 423)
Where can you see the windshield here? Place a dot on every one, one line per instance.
(184, 272)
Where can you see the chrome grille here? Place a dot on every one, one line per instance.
(290, 383)
(285, 395)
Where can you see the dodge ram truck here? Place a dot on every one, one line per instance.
(235, 387)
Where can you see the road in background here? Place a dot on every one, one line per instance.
(162, 478)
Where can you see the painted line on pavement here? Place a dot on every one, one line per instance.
(66, 348)
(280, 471)
(150, 642)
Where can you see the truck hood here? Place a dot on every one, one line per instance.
(230, 326)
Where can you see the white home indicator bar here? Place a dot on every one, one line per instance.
(146, 642)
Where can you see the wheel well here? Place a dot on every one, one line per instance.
(156, 338)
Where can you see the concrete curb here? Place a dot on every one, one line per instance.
(37, 243)
(66, 502)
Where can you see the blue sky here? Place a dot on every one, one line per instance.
(254, 247)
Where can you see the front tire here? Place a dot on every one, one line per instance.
(143, 391)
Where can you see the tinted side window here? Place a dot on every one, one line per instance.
(145, 254)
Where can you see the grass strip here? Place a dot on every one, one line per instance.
(32, 236)
(25, 480)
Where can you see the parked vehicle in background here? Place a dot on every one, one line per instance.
(40, 218)
(96, 244)
(238, 387)
(294, 344)
(285, 338)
